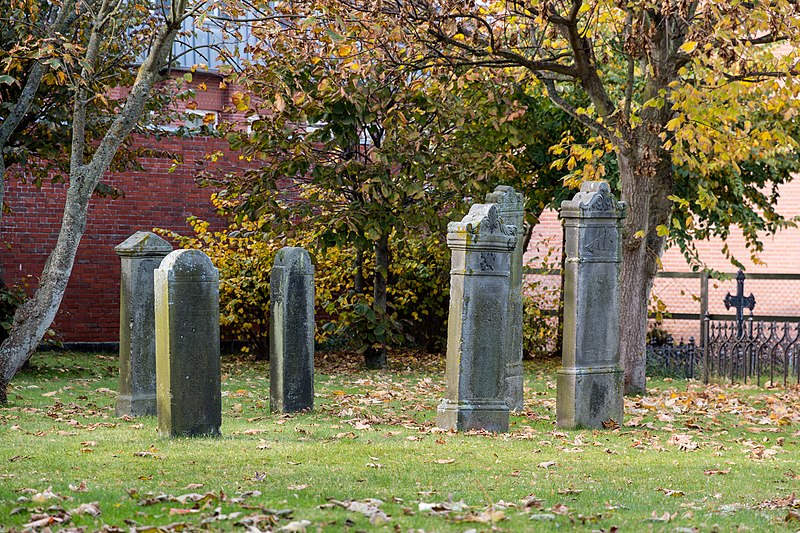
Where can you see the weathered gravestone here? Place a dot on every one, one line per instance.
(590, 379)
(140, 254)
(511, 206)
(187, 345)
(481, 248)
(291, 358)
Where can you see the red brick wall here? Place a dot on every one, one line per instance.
(153, 198)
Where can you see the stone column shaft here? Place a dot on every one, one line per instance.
(140, 254)
(187, 345)
(511, 207)
(590, 378)
(479, 285)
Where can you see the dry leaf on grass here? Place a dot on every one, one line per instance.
(92, 509)
(666, 517)
(671, 492)
(80, 487)
(683, 441)
(443, 507)
(369, 508)
(298, 526)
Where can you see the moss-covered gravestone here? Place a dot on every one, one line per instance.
(140, 254)
(291, 322)
(187, 345)
(511, 207)
(479, 285)
(590, 379)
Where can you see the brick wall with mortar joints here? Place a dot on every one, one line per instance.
(153, 198)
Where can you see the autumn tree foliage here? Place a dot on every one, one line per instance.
(708, 86)
(375, 146)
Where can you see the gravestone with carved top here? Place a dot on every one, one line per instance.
(511, 207)
(590, 379)
(481, 248)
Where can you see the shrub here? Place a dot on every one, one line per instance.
(244, 257)
(244, 254)
(417, 303)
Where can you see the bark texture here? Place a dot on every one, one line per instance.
(375, 356)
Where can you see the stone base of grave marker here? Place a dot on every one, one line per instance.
(488, 415)
(589, 397)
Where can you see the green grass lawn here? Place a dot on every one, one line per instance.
(369, 458)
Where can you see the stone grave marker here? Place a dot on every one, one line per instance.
(481, 248)
(291, 361)
(187, 345)
(589, 391)
(511, 207)
(140, 254)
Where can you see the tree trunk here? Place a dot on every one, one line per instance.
(646, 182)
(358, 264)
(34, 317)
(375, 356)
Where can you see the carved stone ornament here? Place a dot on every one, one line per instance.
(488, 261)
(482, 219)
(507, 198)
(594, 199)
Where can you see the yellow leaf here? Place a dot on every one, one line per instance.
(689, 46)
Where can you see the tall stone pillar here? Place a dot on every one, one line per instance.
(511, 207)
(590, 379)
(291, 327)
(481, 248)
(187, 345)
(140, 254)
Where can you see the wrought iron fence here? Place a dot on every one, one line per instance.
(764, 352)
(670, 360)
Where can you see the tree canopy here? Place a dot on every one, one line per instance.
(378, 146)
(708, 86)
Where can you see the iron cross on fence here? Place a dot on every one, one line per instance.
(740, 302)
